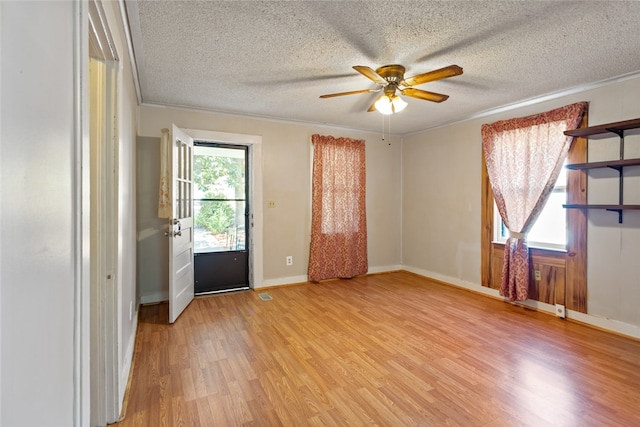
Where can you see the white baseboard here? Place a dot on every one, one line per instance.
(281, 281)
(453, 281)
(384, 269)
(127, 363)
(610, 325)
(155, 297)
(605, 323)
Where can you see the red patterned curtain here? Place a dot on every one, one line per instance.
(524, 157)
(338, 217)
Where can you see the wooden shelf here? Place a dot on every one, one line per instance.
(615, 164)
(611, 208)
(616, 128)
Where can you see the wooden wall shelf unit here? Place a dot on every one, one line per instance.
(618, 128)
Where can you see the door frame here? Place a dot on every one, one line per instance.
(254, 143)
(104, 384)
(214, 257)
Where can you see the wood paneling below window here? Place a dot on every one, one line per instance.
(549, 287)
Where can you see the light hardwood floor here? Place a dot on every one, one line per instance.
(388, 350)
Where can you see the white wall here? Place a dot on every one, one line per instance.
(39, 250)
(441, 202)
(613, 270)
(153, 247)
(441, 205)
(44, 233)
(286, 151)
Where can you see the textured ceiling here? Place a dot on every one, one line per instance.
(275, 58)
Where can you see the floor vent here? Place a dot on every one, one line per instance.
(265, 296)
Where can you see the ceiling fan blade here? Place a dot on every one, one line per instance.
(353, 92)
(370, 74)
(423, 94)
(372, 107)
(442, 73)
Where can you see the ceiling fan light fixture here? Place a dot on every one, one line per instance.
(384, 105)
(389, 104)
(398, 103)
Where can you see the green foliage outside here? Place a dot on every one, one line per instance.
(216, 217)
(211, 173)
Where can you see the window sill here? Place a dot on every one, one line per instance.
(536, 247)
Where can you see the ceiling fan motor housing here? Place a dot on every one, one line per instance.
(393, 73)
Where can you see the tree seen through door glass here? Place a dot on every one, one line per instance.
(220, 199)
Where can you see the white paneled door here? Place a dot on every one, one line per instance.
(181, 224)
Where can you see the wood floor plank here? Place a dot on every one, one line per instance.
(382, 350)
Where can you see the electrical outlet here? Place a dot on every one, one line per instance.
(289, 260)
(130, 310)
(560, 311)
(537, 275)
(271, 204)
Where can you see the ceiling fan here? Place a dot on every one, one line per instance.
(391, 79)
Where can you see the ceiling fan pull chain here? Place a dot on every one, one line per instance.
(389, 124)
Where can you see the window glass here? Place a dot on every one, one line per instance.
(550, 229)
(219, 202)
(341, 190)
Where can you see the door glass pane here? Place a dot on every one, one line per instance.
(219, 199)
(220, 226)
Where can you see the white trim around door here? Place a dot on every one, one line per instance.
(254, 142)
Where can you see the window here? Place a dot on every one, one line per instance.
(569, 264)
(550, 229)
(338, 210)
(341, 189)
